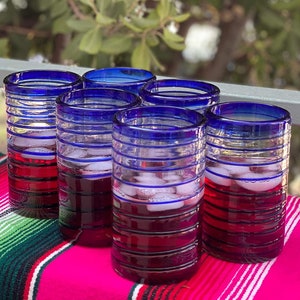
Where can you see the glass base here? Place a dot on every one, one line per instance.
(156, 276)
(91, 237)
(246, 255)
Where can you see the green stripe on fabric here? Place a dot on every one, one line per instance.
(3, 158)
(25, 241)
(15, 229)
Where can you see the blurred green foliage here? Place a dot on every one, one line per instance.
(150, 34)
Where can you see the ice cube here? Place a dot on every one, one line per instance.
(194, 200)
(157, 153)
(99, 166)
(222, 179)
(235, 169)
(272, 167)
(45, 133)
(172, 178)
(128, 190)
(38, 124)
(259, 182)
(149, 178)
(76, 153)
(147, 192)
(158, 202)
(29, 142)
(187, 189)
(36, 153)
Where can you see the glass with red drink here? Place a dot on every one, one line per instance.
(84, 126)
(247, 166)
(31, 138)
(158, 185)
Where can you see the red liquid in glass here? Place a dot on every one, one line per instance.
(243, 226)
(32, 184)
(85, 208)
(156, 246)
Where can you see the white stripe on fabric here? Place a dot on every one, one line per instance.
(293, 216)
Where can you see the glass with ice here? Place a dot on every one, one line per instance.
(31, 138)
(158, 185)
(84, 126)
(192, 94)
(246, 181)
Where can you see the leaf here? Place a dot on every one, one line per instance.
(292, 45)
(172, 37)
(130, 25)
(286, 5)
(104, 20)
(145, 23)
(271, 19)
(44, 5)
(181, 18)
(156, 62)
(163, 9)
(118, 10)
(59, 25)
(58, 9)
(3, 47)
(71, 52)
(141, 57)
(278, 42)
(89, 3)
(295, 27)
(173, 45)
(91, 41)
(152, 40)
(81, 25)
(103, 5)
(119, 43)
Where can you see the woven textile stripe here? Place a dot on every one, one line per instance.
(217, 279)
(2, 158)
(23, 241)
(33, 279)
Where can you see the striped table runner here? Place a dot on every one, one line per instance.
(217, 279)
(35, 263)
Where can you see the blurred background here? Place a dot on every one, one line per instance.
(243, 42)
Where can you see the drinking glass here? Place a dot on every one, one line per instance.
(158, 185)
(31, 137)
(84, 126)
(192, 94)
(125, 78)
(246, 181)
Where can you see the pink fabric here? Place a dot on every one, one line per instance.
(216, 279)
(283, 280)
(80, 273)
(85, 273)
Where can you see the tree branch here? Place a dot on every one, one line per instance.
(233, 20)
(25, 31)
(76, 10)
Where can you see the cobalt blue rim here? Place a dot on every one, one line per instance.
(41, 82)
(193, 93)
(124, 123)
(248, 118)
(90, 101)
(230, 111)
(117, 76)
